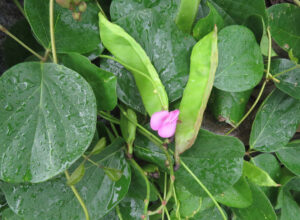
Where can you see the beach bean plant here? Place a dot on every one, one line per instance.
(151, 110)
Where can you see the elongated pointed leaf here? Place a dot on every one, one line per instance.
(47, 120)
(204, 62)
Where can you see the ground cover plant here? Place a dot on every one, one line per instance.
(102, 108)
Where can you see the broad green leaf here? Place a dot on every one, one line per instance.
(186, 15)
(290, 80)
(48, 119)
(240, 10)
(216, 160)
(229, 106)
(275, 123)
(269, 163)
(120, 44)
(261, 207)
(240, 60)
(204, 62)
(54, 199)
(211, 214)
(70, 36)
(146, 150)
(257, 175)
(206, 24)
(102, 82)
(239, 195)
(8, 214)
(289, 156)
(284, 26)
(167, 47)
(13, 52)
(286, 198)
(132, 206)
(189, 204)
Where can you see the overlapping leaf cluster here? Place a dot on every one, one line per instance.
(49, 125)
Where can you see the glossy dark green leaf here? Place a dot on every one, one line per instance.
(240, 10)
(148, 151)
(206, 24)
(239, 195)
(290, 80)
(48, 119)
(275, 123)
(132, 206)
(216, 160)
(189, 204)
(167, 47)
(289, 206)
(54, 199)
(229, 106)
(257, 175)
(102, 82)
(127, 90)
(13, 52)
(289, 156)
(8, 214)
(284, 26)
(70, 36)
(240, 60)
(261, 207)
(211, 214)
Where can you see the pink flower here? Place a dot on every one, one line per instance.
(164, 122)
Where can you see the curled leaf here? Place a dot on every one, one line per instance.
(101, 144)
(77, 175)
(112, 173)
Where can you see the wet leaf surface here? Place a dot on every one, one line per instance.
(48, 119)
(54, 199)
(216, 160)
(240, 60)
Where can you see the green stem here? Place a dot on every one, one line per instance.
(204, 188)
(165, 194)
(108, 117)
(251, 109)
(119, 212)
(78, 197)
(146, 201)
(101, 10)
(177, 203)
(297, 2)
(285, 71)
(19, 6)
(4, 30)
(114, 129)
(269, 75)
(51, 13)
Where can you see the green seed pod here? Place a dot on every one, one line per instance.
(132, 56)
(101, 144)
(128, 127)
(187, 14)
(77, 175)
(112, 173)
(204, 62)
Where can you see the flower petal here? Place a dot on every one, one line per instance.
(157, 119)
(167, 130)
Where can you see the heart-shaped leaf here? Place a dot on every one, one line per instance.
(48, 119)
(240, 60)
(54, 199)
(216, 160)
(275, 123)
(284, 26)
(70, 35)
